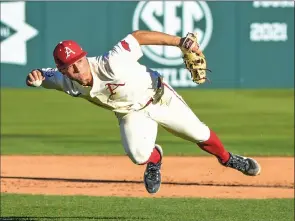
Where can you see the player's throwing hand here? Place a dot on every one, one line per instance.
(35, 78)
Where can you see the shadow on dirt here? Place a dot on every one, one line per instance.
(140, 182)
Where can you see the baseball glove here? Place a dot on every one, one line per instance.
(195, 63)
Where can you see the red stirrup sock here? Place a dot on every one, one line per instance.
(155, 157)
(214, 146)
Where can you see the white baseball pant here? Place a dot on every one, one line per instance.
(139, 129)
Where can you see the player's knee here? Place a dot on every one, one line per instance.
(140, 156)
(202, 134)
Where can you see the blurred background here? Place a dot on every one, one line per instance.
(249, 48)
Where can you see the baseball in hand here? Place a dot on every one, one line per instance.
(37, 83)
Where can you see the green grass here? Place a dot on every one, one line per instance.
(32, 207)
(252, 122)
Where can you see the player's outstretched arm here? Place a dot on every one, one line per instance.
(159, 38)
(49, 78)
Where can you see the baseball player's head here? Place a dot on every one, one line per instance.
(70, 59)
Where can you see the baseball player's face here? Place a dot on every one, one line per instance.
(79, 71)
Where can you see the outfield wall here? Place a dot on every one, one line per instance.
(247, 44)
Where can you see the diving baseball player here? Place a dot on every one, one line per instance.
(139, 97)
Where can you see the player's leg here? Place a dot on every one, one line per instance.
(176, 116)
(138, 135)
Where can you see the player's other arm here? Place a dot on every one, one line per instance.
(159, 38)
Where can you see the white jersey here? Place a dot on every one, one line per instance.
(120, 82)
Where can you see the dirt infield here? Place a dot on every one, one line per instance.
(118, 176)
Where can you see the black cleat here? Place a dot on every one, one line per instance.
(152, 174)
(246, 165)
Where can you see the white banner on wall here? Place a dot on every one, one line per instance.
(15, 33)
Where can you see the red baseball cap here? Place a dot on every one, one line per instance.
(67, 52)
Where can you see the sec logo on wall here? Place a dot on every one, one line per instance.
(175, 18)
